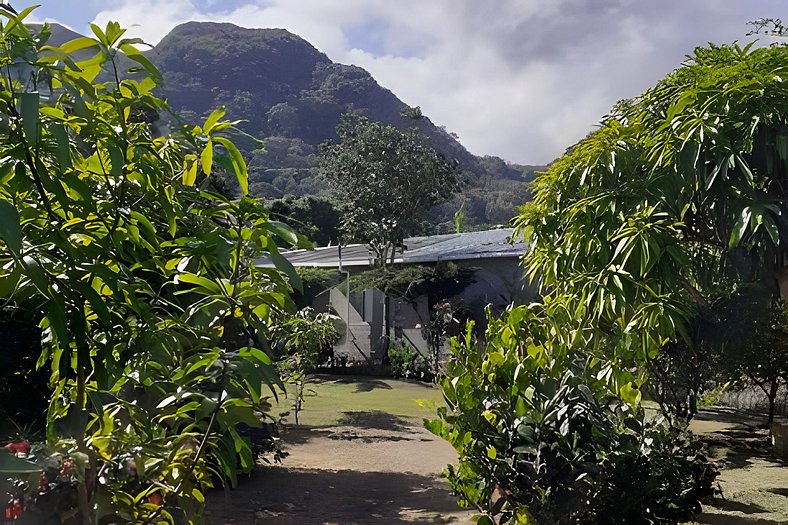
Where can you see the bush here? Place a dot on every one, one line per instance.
(408, 362)
(542, 439)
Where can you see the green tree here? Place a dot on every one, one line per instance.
(643, 227)
(153, 322)
(301, 339)
(386, 181)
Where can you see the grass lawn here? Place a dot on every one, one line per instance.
(330, 398)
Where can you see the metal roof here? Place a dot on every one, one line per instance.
(487, 244)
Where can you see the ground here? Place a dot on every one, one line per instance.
(361, 455)
(753, 482)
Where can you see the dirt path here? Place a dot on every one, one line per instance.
(363, 457)
(369, 467)
(754, 483)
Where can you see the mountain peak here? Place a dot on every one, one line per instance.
(292, 95)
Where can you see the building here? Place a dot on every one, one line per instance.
(488, 260)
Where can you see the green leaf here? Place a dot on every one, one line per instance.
(63, 150)
(213, 118)
(96, 302)
(189, 172)
(36, 274)
(631, 394)
(10, 229)
(28, 104)
(740, 228)
(286, 267)
(17, 20)
(206, 158)
(239, 165)
(200, 281)
(72, 46)
(284, 232)
(771, 229)
(136, 55)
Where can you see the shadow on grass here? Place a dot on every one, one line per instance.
(740, 447)
(736, 506)
(277, 495)
(368, 385)
(375, 420)
(364, 426)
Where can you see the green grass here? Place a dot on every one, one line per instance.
(330, 397)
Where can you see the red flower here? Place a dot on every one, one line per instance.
(68, 467)
(43, 483)
(19, 447)
(14, 509)
(155, 498)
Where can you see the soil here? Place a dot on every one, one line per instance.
(752, 481)
(369, 467)
(357, 465)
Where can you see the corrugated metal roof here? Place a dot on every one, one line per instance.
(487, 244)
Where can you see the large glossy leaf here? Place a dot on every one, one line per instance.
(29, 104)
(206, 158)
(239, 165)
(287, 268)
(10, 229)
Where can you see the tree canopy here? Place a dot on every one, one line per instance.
(154, 324)
(672, 204)
(386, 180)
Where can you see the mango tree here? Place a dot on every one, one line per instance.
(676, 205)
(154, 324)
(642, 236)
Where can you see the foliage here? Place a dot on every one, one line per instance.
(411, 281)
(294, 96)
(301, 339)
(680, 192)
(541, 438)
(314, 282)
(408, 362)
(154, 325)
(386, 181)
(767, 26)
(756, 352)
(437, 330)
(680, 374)
(315, 217)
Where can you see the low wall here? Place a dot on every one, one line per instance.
(753, 399)
(779, 433)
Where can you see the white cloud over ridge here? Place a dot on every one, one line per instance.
(521, 79)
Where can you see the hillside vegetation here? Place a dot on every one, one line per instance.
(292, 95)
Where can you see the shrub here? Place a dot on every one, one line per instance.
(408, 362)
(153, 323)
(302, 338)
(542, 439)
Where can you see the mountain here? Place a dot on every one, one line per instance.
(292, 96)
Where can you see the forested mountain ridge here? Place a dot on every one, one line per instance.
(292, 96)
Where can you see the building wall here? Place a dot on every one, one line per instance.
(496, 282)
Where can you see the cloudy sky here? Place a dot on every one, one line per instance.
(521, 79)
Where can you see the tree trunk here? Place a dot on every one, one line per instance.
(772, 402)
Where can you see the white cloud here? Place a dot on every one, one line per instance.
(522, 79)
